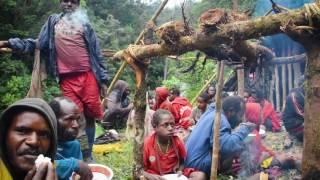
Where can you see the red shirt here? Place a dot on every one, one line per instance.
(268, 112)
(72, 54)
(153, 157)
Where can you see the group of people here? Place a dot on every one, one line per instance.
(31, 127)
(240, 136)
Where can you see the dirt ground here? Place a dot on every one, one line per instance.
(275, 142)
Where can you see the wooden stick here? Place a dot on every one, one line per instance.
(290, 76)
(217, 122)
(284, 85)
(5, 50)
(124, 63)
(240, 77)
(204, 88)
(276, 71)
(297, 73)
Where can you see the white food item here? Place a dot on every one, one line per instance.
(174, 177)
(42, 159)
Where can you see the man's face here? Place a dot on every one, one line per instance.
(246, 96)
(211, 91)
(202, 105)
(68, 122)
(235, 117)
(126, 91)
(28, 136)
(166, 126)
(69, 6)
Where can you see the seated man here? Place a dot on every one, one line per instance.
(293, 113)
(200, 142)
(118, 106)
(28, 129)
(68, 156)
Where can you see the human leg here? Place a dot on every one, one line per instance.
(197, 175)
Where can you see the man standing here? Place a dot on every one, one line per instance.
(68, 156)
(200, 142)
(69, 43)
(27, 129)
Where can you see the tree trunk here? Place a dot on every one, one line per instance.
(311, 150)
(140, 111)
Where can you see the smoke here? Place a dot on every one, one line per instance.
(79, 16)
(248, 159)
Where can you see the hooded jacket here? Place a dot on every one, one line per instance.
(162, 102)
(117, 102)
(38, 105)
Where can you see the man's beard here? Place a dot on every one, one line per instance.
(234, 122)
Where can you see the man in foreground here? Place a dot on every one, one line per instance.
(69, 156)
(27, 129)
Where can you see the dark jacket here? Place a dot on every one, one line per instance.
(40, 106)
(47, 47)
(293, 113)
(118, 103)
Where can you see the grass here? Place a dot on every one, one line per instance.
(119, 162)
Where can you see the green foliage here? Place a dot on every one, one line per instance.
(191, 82)
(16, 88)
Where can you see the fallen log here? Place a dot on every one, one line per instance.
(225, 34)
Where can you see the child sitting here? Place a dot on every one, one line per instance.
(163, 152)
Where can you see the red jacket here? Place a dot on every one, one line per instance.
(268, 112)
(162, 102)
(181, 111)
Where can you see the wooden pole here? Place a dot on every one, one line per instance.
(276, 74)
(124, 63)
(204, 87)
(297, 73)
(284, 85)
(272, 91)
(165, 69)
(240, 77)
(217, 122)
(235, 5)
(290, 77)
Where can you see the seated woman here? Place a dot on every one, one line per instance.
(261, 112)
(203, 101)
(163, 152)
